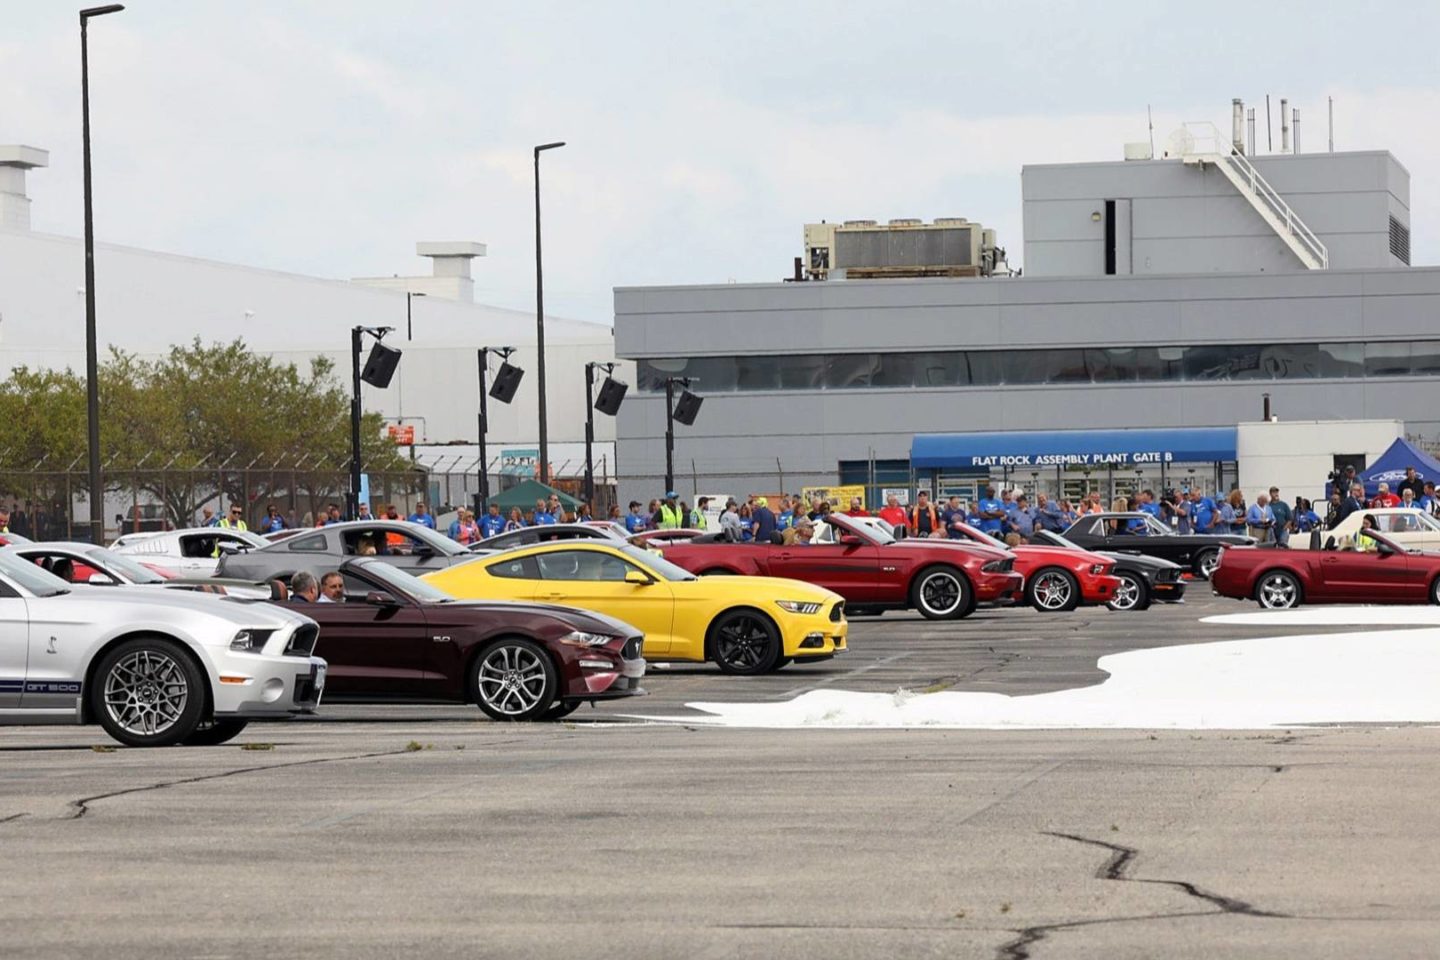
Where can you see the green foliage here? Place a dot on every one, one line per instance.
(180, 426)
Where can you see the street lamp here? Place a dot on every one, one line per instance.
(379, 368)
(507, 381)
(684, 412)
(409, 329)
(540, 319)
(92, 362)
(612, 393)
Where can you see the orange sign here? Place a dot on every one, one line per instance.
(401, 436)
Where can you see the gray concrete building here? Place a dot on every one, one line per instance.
(1160, 294)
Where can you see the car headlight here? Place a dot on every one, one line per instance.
(579, 638)
(996, 566)
(799, 606)
(251, 640)
(1097, 568)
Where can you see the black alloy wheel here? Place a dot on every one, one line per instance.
(744, 643)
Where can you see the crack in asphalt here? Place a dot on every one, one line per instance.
(1115, 868)
(82, 805)
(13, 816)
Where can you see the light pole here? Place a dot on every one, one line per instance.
(482, 499)
(540, 319)
(590, 427)
(689, 406)
(92, 362)
(409, 328)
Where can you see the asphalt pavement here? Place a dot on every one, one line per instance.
(382, 830)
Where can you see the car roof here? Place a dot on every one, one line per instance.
(73, 546)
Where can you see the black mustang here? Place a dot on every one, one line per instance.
(1141, 533)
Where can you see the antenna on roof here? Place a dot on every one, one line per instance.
(1332, 123)
(1269, 142)
(1150, 120)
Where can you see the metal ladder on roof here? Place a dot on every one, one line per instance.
(1202, 144)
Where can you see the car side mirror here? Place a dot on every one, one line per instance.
(101, 580)
(379, 598)
(850, 540)
(637, 578)
(229, 548)
(1383, 548)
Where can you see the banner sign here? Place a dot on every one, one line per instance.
(839, 497)
(519, 463)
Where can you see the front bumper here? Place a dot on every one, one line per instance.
(813, 636)
(251, 685)
(991, 587)
(610, 674)
(1098, 588)
(1168, 591)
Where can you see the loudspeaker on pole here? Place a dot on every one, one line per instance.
(380, 366)
(507, 381)
(687, 407)
(612, 394)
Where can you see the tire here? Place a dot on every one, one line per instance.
(148, 692)
(942, 593)
(215, 732)
(744, 643)
(1205, 563)
(514, 680)
(1280, 590)
(1052, 590)
(1132, 594)
(562, 708)
(783, 662)
(1435, 591)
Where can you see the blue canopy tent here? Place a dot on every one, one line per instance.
(1390, 466)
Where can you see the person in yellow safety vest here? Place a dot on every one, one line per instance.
(4, 520)
(236, 521)
(669, 516)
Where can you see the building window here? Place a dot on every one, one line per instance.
(1200, 363)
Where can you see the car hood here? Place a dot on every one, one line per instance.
(143, 599)
(997, 552)
(1139, 561)
(752, 590)
(575, 618)
(1041, 551)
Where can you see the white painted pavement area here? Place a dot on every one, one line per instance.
(1370, 676)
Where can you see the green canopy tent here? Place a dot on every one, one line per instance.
(526, 492)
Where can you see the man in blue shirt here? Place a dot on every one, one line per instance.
(422, 516)
(492, 523)
(635, 521)
(542, 515)
(951, 514)
(1259, 518)
(992, 514)
(1148, 504)
(763, 520)
(1047, 514)
(272, 522)
(1022, 518)
(1202, 511)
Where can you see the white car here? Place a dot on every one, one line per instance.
(89, 565)
(1409, 527)
(153, 667)
(186, 553)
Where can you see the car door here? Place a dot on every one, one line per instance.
(595, 580)
(850, 567)
(197, 555)
(14, 646)
(58, 642)
(1364, 576)
(371, 648)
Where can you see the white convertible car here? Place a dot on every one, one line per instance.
(1409, 527)
(153, 667)
(187, 553)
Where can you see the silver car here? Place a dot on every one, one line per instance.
(409, 546)
(153, 667)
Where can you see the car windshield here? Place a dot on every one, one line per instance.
(865, 531)
(40, 582)
(653, 561)
(129, 569)
(391, 578)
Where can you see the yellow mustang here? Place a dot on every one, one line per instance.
(746, 625)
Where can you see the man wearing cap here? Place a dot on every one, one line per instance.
(763, 520)
(634, 520)
(668, 517)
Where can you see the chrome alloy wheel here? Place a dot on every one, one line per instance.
(512, 679)
(1127, 594)
(940, 593)
(1278, 591)
(1053, 590)
(1208, 562)
(146, 692)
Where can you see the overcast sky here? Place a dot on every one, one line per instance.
(327, 137)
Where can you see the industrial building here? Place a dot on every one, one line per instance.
(149, 301)
(1193, 286)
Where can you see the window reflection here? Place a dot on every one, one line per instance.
(1119, 364)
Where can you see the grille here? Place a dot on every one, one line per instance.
(837, 612)
(302, 641)
(1168, 574)
(631, 650)
(1400, 241)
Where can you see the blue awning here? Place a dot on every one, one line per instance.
(1072, 448)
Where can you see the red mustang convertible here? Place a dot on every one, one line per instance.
(868, 567)
(1277, 579)
(1058, 578)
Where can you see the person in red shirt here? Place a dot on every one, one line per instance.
(1384, 499)
(894, 514)
(856, 510)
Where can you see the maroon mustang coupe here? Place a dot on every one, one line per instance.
(397, 636)
(1277, 579)
(870, 569)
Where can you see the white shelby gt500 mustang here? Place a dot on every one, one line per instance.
(153, 667)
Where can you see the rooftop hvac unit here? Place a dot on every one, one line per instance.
(906, 222)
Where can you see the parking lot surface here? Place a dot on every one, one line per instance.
(382, 830)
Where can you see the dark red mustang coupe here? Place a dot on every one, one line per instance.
(869, 568)
(1277, 579)
(397, 636)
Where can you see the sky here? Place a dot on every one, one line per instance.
(326, 138)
